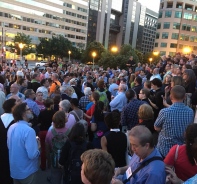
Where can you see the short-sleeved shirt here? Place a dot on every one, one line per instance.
(183, 168)
(53, 86)
(173, 122)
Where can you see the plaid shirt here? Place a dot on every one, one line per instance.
(83, 102)
(129, 116)
(173, 122)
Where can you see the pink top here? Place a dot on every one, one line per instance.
(49, 135)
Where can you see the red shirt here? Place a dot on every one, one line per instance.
(90, 112)
(183, 168)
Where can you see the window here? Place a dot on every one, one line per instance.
(182, 36)
(178, 14)
(159, 26)
(163, 44)
(156, 44)
(157, 35)
(187, 16)
(184, 26)
(195, 39)
(162, 53)
(175, 36)
(188, 28)
(193, 29)
(165, 35)
(166, 25)
(160, 14)
(191, 38)
(186, 38)
(195, 17)
(176, 25)
(172, 53)
(195, 47)
(173, 45)
(168, 14)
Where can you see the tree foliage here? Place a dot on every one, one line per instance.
(58, 46)
(120, 59)
(25, 40)
(93, 47)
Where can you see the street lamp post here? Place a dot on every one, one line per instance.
(69, 52)
(93, 56)
(155, 53)
(150, 59)
(187, 50)
(21, 51)
(114, 49)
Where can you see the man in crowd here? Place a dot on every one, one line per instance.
(172, 121)
(131, 63)
(98, 167)
(35, 82)
(44, 88)
(23, 85)
(120, 100)
(14, 90)
(30, 96)
(129, 116)
(55, 82)
(141, 142)
(155, 74)
(113, 87)
(23, 147)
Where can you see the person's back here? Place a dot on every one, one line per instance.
(173, 121)
(116, 146)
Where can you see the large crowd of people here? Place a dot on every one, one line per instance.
(132, 125)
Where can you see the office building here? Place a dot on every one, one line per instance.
(177, 27)
(44, 18)
(118, 22)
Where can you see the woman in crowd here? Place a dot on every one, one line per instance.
(115, 141)
(77, 138)
(59, 119)
(144, 95)
(184, 157)
(90, 111)
(44, 120)
(98, 125)
(176, 80)
(65, 106)
(156, 101)
(146, 118)
(190, 81)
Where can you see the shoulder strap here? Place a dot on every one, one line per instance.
(141, 166)
(176, 153)
(54, 132)
(75, 114)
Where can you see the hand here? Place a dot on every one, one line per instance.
(117, 172)
(38, 141)
(116, 181)
(172, 177)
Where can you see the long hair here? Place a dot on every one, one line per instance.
(98, 112)
(191, 143)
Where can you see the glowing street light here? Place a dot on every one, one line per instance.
(21, 45)
(186, 50)
(114, 49)
(93, 55)
(155, 53)
(69, 52)
(150, 59)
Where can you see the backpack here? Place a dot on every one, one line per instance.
(73, 174)
(58, 142)
(103, 98)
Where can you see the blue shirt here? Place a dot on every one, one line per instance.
(23, 150)
(129, 116)
(173, 122)
(153, 173)
(118, 102)
(33, 106)
(20, 95)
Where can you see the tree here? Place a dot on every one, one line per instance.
(58, 46)
(93, 47)
(25, 40)
(120, 59)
